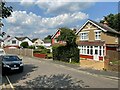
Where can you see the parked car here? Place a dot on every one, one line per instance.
(11, 63)
(2, 52)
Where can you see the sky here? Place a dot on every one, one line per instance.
(40, 19)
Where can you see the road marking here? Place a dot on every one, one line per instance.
(84, 72)
(10, 83)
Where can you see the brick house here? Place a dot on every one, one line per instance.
(98, 42)
(54, 37)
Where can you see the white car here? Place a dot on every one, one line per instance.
(2, 52)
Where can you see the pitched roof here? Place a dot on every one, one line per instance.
(33, 40)
(22, 38)
(100, 26)
(55, 33)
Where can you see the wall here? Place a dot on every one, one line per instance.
(112, 55)
(109, 38)
(22, 52)
(40, 55)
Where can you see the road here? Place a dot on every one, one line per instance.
(41, 73)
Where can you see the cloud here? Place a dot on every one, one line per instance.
(30, 24)
(26, 3)
(56, 7)
(63, 7)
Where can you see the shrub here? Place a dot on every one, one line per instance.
(65, 53)
(31, 47)
(42, 51)
(24, 44)
(40, 47)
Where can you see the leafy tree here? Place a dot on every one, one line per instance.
(5, 11)
(113, 21)
(70, 50)
(24, 44)
(68, 36)
(48, 37)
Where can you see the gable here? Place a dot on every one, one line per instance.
(26, 39)
(56, 34)
(89, 26)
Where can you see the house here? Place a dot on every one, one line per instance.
(54, 40)
(98, 42)
(1, 36)
(54, 37)
(1, 41)
(37, 42)
(25, 39)
(14, 42)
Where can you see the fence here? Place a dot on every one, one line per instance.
(113, 55)
(22, 52)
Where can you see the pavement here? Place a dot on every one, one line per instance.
(107, 74)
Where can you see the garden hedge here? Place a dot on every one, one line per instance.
(64, 53)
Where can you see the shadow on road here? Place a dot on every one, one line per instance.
(54, 81)
(16, 76)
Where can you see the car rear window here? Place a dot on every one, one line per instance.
(10, 58)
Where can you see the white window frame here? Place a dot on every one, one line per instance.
(84, 35)
(83, 50)
(98, 34)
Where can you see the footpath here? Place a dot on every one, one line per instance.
(107, 74)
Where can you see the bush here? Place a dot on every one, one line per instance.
(41, 47)
(31, 47)
(64, 53)
(24, 44)
(42, 51)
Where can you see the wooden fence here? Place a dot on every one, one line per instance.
(22, 52)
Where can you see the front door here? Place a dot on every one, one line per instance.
(95, 55)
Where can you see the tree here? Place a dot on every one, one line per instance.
(70, 51)
(113, 21)
(24, 44)
(48, 37)
(5, 10)
(68, 36)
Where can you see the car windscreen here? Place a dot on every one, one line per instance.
(10, 58)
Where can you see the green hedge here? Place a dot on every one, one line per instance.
(64, 53)
(42, 51)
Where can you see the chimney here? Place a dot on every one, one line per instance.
(105, 23)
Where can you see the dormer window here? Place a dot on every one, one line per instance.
(97, 34)
(84, 35)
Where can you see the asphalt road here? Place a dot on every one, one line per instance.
(40, 73)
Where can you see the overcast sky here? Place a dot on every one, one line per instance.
(39, 19)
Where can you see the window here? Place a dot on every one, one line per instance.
(88, 50)
(97, 35)
(84, 35)
(91, 50)
(84, 50)
(13, 41)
